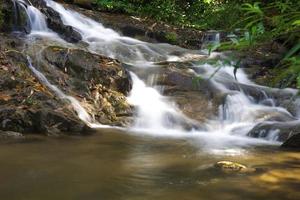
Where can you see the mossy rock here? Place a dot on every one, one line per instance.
(172, 37)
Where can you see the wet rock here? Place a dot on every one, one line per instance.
(26, 106)
(197, 100)
(86, 66)
(233, 167)
(101, 82)
(10, 135)
(280, 131)
(40, 120)
(292, 142)
(194, 105)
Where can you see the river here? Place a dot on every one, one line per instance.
(164, 154)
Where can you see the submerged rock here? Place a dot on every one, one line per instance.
(233, 167)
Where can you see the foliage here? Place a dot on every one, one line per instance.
(171, 37)
(193, 13)
(251, 22)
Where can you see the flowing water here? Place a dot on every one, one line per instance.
(158, 157)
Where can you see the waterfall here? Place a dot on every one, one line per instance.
(110, 43)
(156, 114)
(36, 20)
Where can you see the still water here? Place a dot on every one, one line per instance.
(115, 165)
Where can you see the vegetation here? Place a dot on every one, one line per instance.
(251, 23)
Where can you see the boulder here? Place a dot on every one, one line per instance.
(101, 83)
(197, 100)
(85, 66)
(27, 106)
(282, 130)
(292, 142)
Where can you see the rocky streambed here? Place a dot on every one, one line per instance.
(42, 74)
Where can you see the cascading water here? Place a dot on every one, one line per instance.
(36, 20)
(155, 113)
(108, 42)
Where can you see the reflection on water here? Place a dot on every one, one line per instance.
(114, 165)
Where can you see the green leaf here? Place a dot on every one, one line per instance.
(298, 81)
(296, 23)
(292, 51)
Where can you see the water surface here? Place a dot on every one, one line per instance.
(113, 165)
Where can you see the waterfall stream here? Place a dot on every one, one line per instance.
(167, 122)
(156, 114)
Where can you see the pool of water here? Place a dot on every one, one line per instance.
(116, 165)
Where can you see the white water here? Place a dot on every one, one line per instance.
(156, 115)
(110, 43)
(236, 118)
(37, 21)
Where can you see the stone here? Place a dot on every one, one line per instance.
(233, 167)
(284, 129)
(10, 135)
(85, 3)
(292, 142)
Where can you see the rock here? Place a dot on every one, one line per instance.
(7, 17)
(102, 82)
(232, 167)
(10, 135)
(26, 106)
(292, 142)
(85, 3)
(197, 100)
(86, 66)
(283, 130)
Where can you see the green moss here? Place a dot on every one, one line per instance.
(171, 37)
